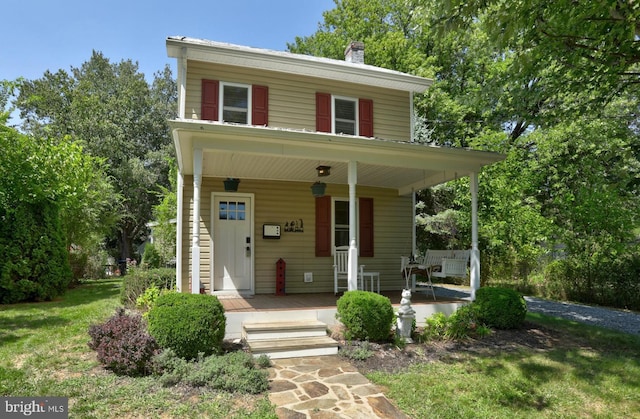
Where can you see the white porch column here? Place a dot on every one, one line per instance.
(179, 226)
(414, 247)
(195, 246)
(352, 277)
(475, 253)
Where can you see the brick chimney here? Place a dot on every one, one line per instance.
(354, 53)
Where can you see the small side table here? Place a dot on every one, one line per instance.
(373, 276)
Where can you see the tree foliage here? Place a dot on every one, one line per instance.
(44, 186)
(119, 118)
(552, 85)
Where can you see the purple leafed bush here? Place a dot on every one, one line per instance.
(123, 344)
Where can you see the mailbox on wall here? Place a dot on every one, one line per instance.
(271, 231)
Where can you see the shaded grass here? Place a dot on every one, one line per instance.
(44, 352)
(592, 372)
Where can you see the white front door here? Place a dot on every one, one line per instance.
(232, 242)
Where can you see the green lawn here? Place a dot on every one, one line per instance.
(43, 352)
(591, 373)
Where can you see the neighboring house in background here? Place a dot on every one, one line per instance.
(280, 122)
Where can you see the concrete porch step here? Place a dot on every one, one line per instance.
(283, 330)
(289, 339)
(294, 348)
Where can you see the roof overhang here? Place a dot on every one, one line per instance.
(181, 47)
(252, 152)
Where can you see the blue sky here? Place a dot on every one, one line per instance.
(40, 35)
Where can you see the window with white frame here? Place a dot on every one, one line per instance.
(345, 115)
(340, 222)
(236, 102)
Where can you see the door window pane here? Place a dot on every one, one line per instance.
(232, 210)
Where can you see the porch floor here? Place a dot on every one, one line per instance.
(326, 300)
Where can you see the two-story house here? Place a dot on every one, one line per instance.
(287, 156)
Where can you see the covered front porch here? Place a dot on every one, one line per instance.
(276, 168)
(266, 308)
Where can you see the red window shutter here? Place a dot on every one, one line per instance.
(366, 227)
(365, 112)
(210, 89)
(323, 112)
(260, 105)
(323, 226)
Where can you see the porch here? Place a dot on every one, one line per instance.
(264, 308)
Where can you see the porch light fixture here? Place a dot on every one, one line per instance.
(323, 170)
(231, 184)
(318, 188)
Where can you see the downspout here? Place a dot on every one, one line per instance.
(412, 115)
(195, 249)
(475, 253)
(352, 275)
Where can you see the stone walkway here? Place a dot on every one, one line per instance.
(325, 387)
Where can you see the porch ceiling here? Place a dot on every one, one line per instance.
(251, 152)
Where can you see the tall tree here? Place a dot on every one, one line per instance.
(524, 78)
(118, 117)
(588, 47)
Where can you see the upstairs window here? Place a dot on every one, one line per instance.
(344, 115)
(241, 103)
(235, 100)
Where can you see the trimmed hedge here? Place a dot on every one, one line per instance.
(365, 315)
(135, 283)
(501, 308)
(188, 323)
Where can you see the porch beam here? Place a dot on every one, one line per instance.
(475, 253)
(352, 274)
(195, 247)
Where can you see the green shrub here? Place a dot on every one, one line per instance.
(435, 327)
(34, 262)
(461, 324)
(149, 297)
(501, 308)
(358, 351)
(137, 281)
(233, 372)
(151, 258)
(188, 323)
(365, 315)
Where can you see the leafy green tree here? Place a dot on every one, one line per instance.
(164, 232)
(589, 48)
(120, 119)
(51, 194)
(549, 84)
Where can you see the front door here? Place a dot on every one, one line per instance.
(232, 243)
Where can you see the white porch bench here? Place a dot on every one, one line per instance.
(439, 264)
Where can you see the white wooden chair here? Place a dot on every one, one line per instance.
(340, 269)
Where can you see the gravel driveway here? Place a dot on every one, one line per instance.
(621, 320)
